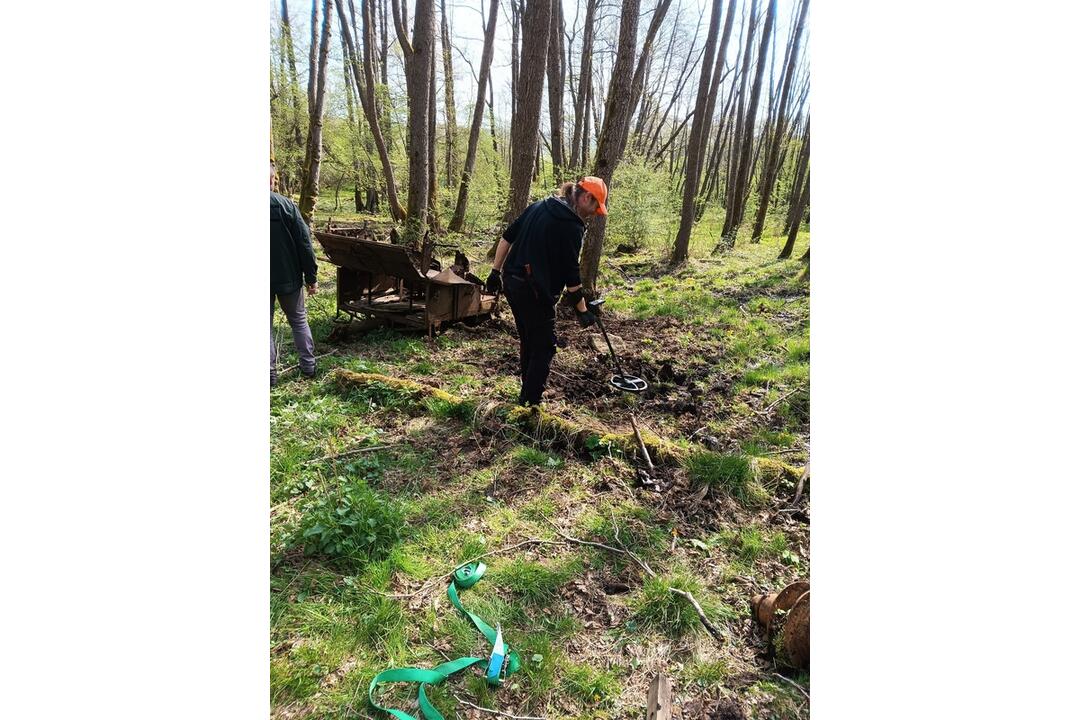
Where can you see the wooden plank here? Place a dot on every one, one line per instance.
(659, 699)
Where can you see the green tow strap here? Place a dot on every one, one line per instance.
(464, 578)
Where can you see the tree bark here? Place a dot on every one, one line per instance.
(309, 191)
(418, 56)
(530, 89)
(706, 98)
(458, 221)
(448, 89)
(293, 81)
(616, 127)
(579, 154)
(556, 76)
(794, 217)
(771, 168)
(432, 170)
(734, 216)
(793, 233)
(368, 99)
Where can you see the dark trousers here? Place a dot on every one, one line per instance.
(535, 320)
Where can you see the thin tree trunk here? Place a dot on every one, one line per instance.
(801, 165)
(458, 221)
(418, 55)
(516, 8)
(293, 82)
(793, 232)
(556, 78)
(616, 127)
(580, 142)
(772, 166)
(734, 216)
(530, 89)
(448, 89)
(708, 85)
(433, 181)
(309, 192)
(368, 98)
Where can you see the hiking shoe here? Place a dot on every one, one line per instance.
(308, 374)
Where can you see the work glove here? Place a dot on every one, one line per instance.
(585, 318)
(494, 282)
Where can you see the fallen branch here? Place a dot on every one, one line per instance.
(641, 444)
(792, 682)
(701, 613)
(357, 451)
(802, 482)
(783, 397)
(495, 712)
(578, 541)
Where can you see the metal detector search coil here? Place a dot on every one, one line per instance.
(629, 383)
(622, 381)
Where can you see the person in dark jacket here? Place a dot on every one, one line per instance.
(536, 258)
(292, 266)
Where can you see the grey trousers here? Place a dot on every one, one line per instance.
(296, 313)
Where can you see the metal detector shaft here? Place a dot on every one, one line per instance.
(614, 357)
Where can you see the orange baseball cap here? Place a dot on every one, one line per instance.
(598, 189)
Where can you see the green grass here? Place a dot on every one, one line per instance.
(731, 474)
(535, 583)
(527, 456)
(656, 607)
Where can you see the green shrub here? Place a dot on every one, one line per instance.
(354, 523)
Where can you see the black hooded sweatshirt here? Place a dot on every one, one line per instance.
(547, 238)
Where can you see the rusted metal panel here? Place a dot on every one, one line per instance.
(380, 280)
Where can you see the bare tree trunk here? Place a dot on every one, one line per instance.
(771, 168)
(516, 8)
(313, 55)
(448, 89)
(626, 78)
(432, 175)
(309, 191)
(556, 76)
(579, 145)
(458, 221)
(288, 174)
(793, 232)
(801, 165)
(734, 216)
(706, 99)
(418, 55)
(368, 98)
(530, 90)
(384, 45)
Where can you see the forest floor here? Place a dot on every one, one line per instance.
(724, 345)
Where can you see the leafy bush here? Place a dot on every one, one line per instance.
(354, 523)
(639, 205)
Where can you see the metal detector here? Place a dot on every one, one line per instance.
(622, 381)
